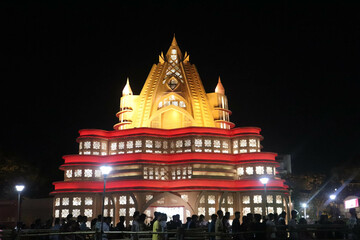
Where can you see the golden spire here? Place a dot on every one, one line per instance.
(174, 49)
(127, 89)
(220, 88)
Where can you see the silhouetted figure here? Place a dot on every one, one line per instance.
(219, 226)
(175, 222)
(211, 226)
(193, 222)
(236, 227)
(270, 227)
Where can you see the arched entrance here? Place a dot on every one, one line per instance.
(170, 204)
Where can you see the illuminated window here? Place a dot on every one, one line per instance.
(243, 150)
(103, 146)
(230, 200)
(122, 200)
(113, 146)
(88, 201)
(258, 210)
(198, 142)
(235, 144)
(225, 144)
(249, 170)
(106, 201)
(278, 199)
(179, 143)
(246, 199)
(259, 170)
(97, 173)
(69, 173)
(76, 201)
(246, 210)
(87, 144)
(216, 143)
(77, 173)
(211, 211)
(201, 210)
(187, 143)
(122, 212)
(64, 213)
(88, 173)
(149, 143)
(129, 144)
(231, 211)
(65, 201)
(279, 210)
(211, 199)
(160, 105)
(131, 211)
(270, 210)
(80, 145)
(57, 201)
(57, 213)
(75, 212)
(207, 143)
(157, 144)
(96, 145)
(269, 170)
(270, 199)
(243, 143)
(88, 212)
(121, 145)
(138, 143)
(131, 200)
(240, 171)
(252, 142)
(202, 199)
(182, 104)
(257, 199)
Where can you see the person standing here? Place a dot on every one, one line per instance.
(157, 228)
(292, 225)
(219, 226)
(236, 227)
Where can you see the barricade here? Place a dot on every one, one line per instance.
(315, 231)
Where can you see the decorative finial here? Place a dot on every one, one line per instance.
(220, 88)
(127, 89)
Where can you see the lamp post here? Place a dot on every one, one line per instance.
(304, 205)
(19, 189)
(265, 180)
(105, 170)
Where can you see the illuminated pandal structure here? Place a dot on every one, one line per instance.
(173, 150)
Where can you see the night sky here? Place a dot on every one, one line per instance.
(288, 67)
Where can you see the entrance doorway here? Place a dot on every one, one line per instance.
(169, 211)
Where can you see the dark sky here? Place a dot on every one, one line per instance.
(288, 67)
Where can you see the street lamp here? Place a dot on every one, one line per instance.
(332, 196)
(304, 205)
(265, 180)
(105, 170)
(19, 189)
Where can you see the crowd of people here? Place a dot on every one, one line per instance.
(251, 226)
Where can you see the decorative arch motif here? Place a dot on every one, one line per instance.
(172, 200)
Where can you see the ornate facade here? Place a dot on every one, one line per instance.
(173, 150)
